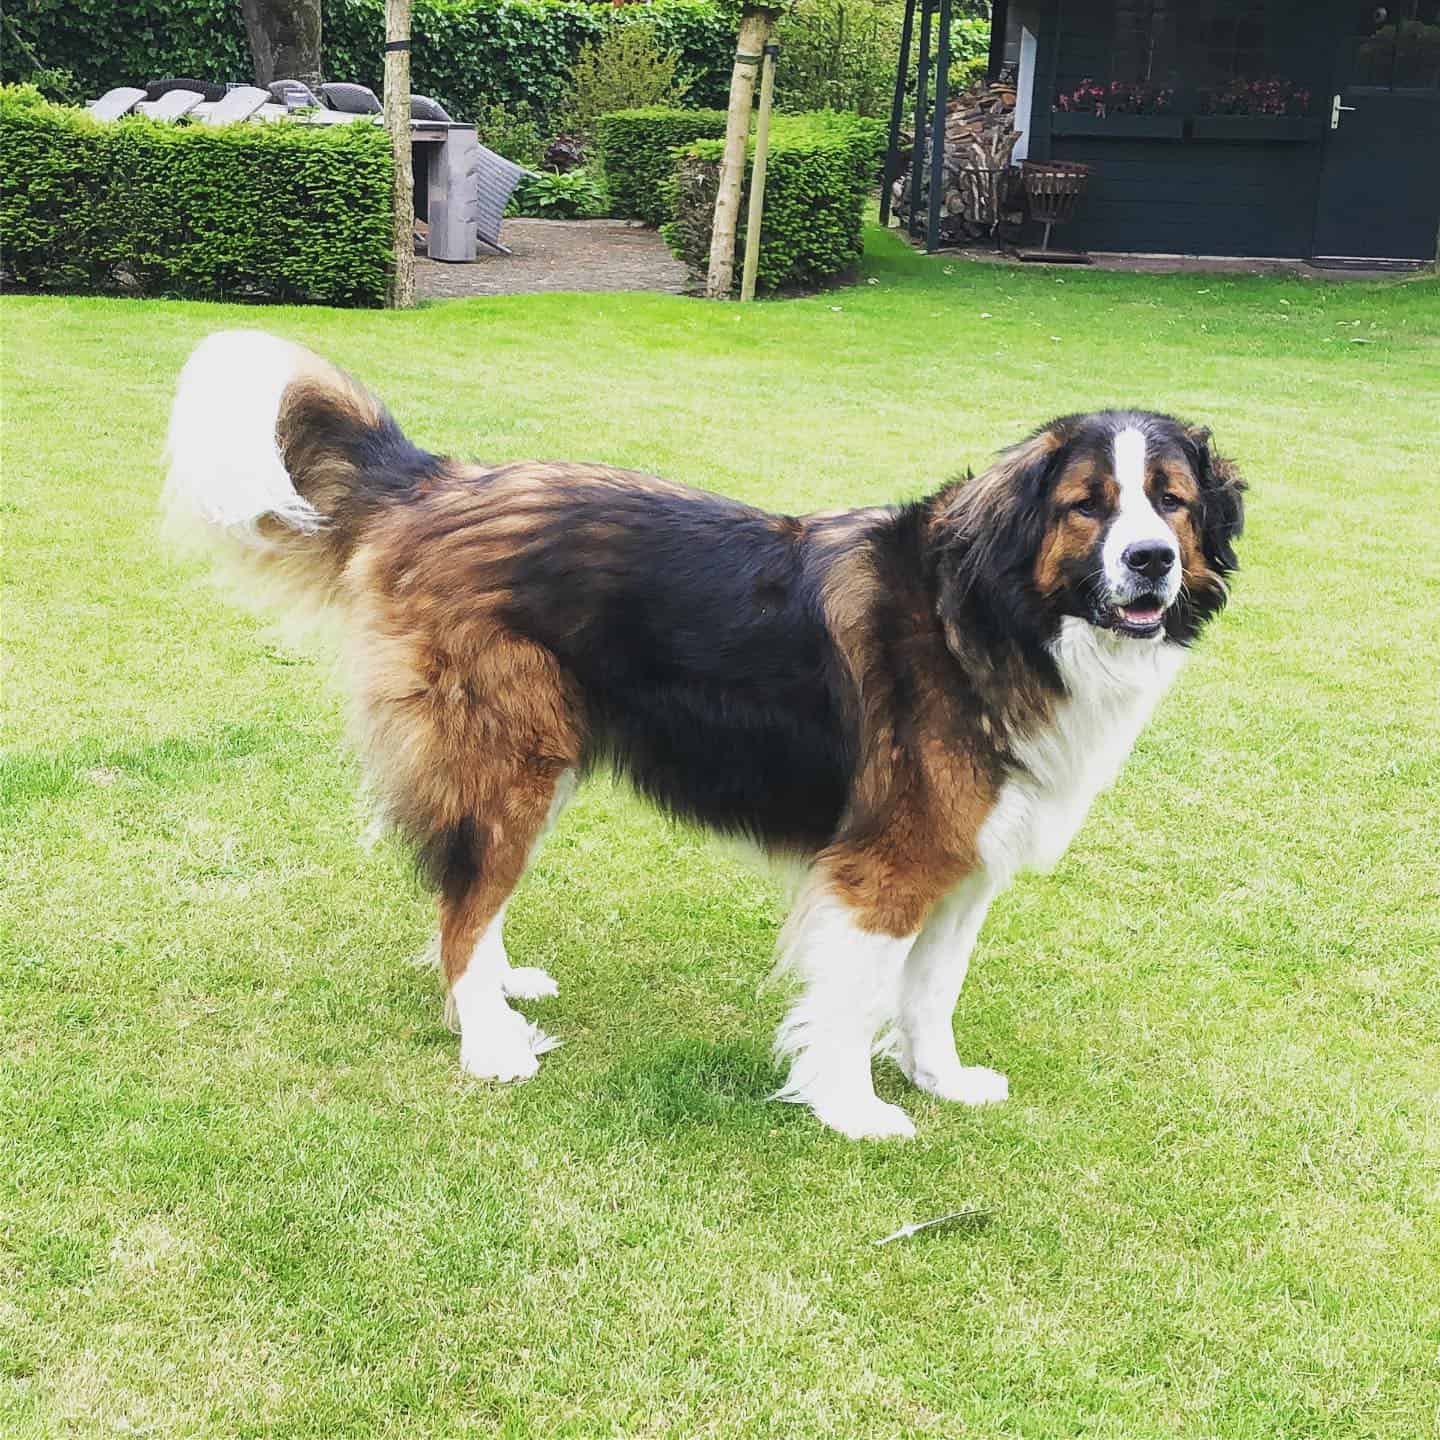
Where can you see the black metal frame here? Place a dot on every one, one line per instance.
(941, 11)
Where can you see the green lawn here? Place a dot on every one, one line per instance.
(243, 1189)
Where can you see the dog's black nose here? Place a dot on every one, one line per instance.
(1150, 558)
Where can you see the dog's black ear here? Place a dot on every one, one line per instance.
(986, 535)
(1222, 504)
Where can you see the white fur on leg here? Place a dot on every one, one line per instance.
(849, 979)
(517, 982)
(496, 1042)
(530, 982)
(923, 1043)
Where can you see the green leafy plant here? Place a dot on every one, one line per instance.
(575, 195)
(839, 55)
(103, 43)
(640, 152)
(1404, 53)
(511, 131)
(468, 54)
(969, 51)
(287, 212)
(819, 176)
(627, 67)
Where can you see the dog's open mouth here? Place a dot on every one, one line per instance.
(1141, 616)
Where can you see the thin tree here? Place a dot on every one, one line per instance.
(284, 39)
(397, 122)
(756, 23)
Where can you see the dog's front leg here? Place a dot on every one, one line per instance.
(849, 981)
(934, 971)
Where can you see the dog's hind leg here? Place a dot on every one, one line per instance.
(519, 982)
(474, 742)
(530, 982)
(480, 861)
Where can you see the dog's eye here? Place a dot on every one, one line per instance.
(1170, 502)
(1087, 508)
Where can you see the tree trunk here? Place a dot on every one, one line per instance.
(284, 39)
(397, 122)
(755, 27)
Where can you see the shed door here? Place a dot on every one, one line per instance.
(1380, 175)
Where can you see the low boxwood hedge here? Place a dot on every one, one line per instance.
(281, 211)
(821, 170)
(640, 149)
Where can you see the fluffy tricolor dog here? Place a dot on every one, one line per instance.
(918, 701)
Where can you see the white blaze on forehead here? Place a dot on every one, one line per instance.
(1130, 466)
(1136, 519)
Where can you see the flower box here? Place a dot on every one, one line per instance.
(1117, 127)
(1291, 128)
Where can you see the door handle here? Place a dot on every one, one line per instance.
(1335, 108)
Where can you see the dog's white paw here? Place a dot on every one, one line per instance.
(506, 1049)
(865, 1118)
(965, 1084)
(528, 982)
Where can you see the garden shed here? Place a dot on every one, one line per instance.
(1300, 128)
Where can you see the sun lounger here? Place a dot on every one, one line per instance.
(115, 103)
(173, 105)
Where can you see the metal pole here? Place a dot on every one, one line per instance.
(917, 149)
(757, 175)
(999, 25)
(937, 131)
(897, 110)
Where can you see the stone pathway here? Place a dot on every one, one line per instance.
(559, 255)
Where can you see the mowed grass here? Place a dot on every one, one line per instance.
(243, 1189)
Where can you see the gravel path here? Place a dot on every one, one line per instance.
(559, 255)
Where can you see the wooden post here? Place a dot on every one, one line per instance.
(757, 176)
(397, 122)
(755, 26)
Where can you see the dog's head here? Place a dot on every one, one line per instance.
(1125, 519)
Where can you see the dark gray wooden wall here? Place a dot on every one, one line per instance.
(1191, 196)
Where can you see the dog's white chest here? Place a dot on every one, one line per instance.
(1114, 683)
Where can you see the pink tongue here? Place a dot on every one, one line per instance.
(1136, 616)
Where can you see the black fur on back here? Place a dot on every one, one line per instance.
(693, 625)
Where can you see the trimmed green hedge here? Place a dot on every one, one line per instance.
(640, 152)
(821, 169)
(104, 43)
(467, 53)
(287, 212)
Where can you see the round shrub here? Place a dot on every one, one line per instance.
(821, 170)
(640, 149)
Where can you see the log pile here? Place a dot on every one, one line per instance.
(979, 136)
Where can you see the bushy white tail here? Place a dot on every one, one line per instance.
(225, 465)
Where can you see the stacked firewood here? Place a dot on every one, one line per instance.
(979, 136)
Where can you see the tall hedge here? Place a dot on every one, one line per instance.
(467, 53)
(281, 211)
(103, 43)
(640, 152)
(821, 171)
